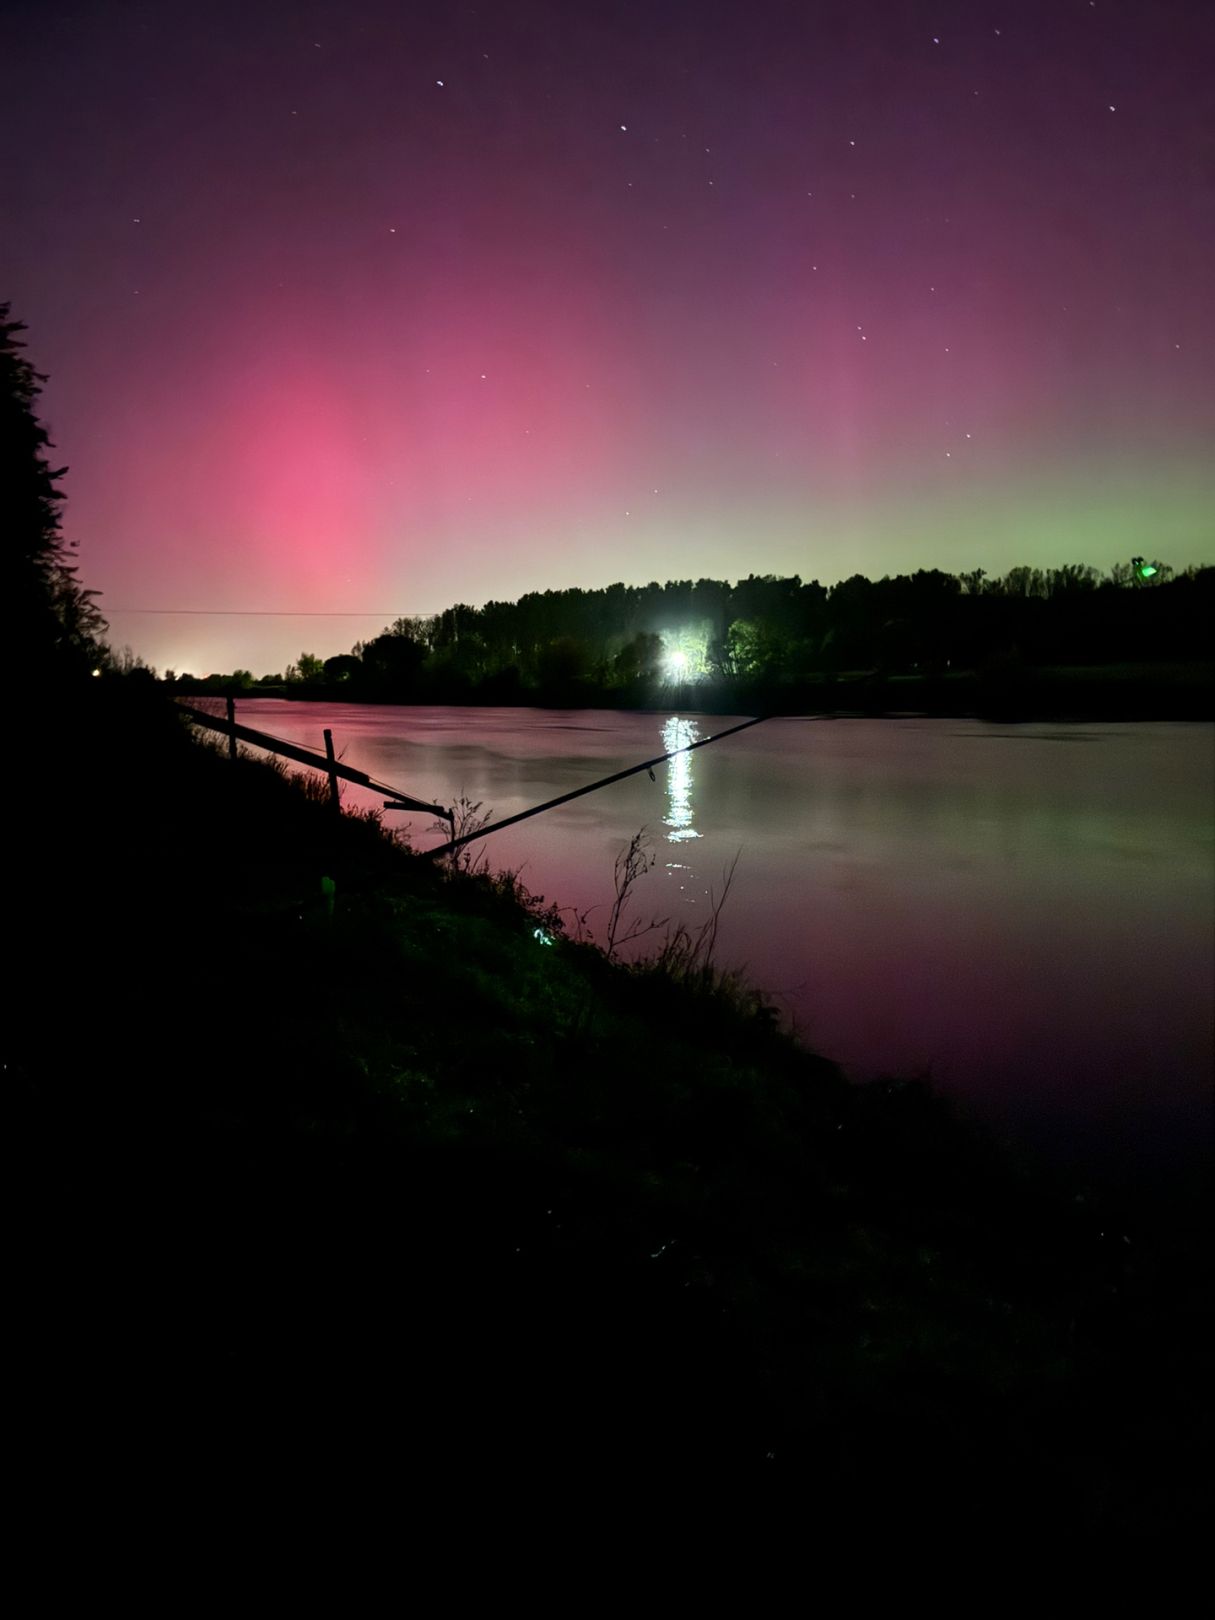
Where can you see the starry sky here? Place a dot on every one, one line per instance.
(364, 308)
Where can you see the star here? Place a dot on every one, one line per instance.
(623, 127)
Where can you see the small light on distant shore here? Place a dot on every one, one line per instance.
(96, 672)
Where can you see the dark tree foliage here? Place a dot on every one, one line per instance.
(766, 641)
(54, 623)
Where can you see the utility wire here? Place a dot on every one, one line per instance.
(270, 613)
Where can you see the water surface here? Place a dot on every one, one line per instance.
(1026, 913)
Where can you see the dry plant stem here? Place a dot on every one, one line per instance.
(467, 817)
(632, 863)
(687, 955)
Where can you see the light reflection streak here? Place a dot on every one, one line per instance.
(678, 733)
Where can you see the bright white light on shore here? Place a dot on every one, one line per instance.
(684, 654)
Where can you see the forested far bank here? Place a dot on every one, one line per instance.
(932, 639)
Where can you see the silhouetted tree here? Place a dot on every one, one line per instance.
(54, 625)
(310, 669)
(1072, 577)
(392, 663)
(562, 663)
(342, 670)
(639, 660)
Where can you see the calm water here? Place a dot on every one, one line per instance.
(1027, 912)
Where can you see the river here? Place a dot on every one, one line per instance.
(1024, 913)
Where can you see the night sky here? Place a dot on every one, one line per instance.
(375, 307)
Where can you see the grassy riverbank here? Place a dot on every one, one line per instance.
(369, 1168)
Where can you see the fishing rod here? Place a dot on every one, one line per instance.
(592, 787)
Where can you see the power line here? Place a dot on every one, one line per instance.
(271, 613)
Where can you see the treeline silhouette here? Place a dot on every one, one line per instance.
(768, 639)
(54, 627)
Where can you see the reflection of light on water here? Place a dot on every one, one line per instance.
(679, 733)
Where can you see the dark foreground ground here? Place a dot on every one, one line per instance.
(403, 1194)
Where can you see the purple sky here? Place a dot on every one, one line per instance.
(369, 307)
